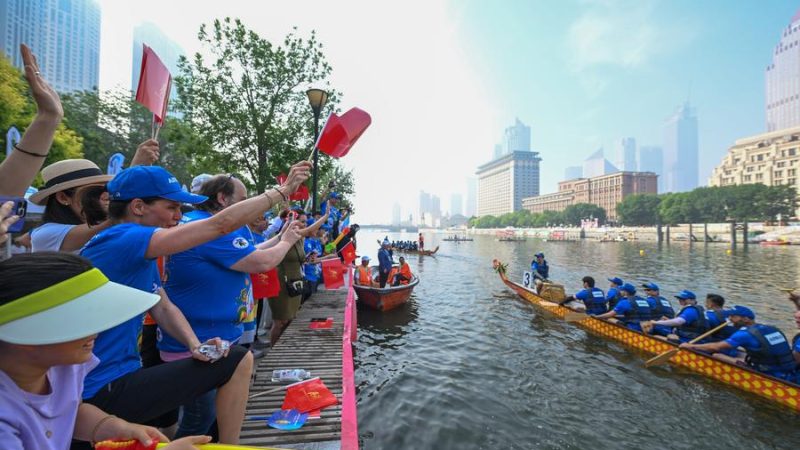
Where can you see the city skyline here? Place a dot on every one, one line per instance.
(582, 74)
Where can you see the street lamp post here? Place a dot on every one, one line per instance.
(317, 99)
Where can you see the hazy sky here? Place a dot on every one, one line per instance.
(442, 79)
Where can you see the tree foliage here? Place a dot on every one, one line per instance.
(18, 109)
(249, 99)
(525, 219)
(709, 204)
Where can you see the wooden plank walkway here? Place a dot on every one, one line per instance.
(319, 351)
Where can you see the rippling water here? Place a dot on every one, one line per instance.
(466, 364)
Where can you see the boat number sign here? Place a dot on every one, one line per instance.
(526, 279)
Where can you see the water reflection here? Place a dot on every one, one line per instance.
(471, 366)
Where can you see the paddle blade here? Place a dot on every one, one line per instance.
(662, 358)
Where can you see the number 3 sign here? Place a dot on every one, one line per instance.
(526, 279)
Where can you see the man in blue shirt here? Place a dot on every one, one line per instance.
(661, 308)
(613, 295)
(690, 323)
(631, 310)
(335, 216)
(539, 267)
(384, 262)
(593, 298)
(767, 348)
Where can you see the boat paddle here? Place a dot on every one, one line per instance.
(666, 356)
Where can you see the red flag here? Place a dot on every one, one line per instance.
(341, 133)
(302, 193)
(348, 253)
(333, 273)
(308, 395)
(154, 84)
(266, 284)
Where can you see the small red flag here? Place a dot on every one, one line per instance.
(348, 253)
(333, 273)
(154, 84)
(266, 284)
(302, 193)
(341, 132)
(308, 396)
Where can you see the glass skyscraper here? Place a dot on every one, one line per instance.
(64, 35)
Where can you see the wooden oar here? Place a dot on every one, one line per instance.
(666, 356)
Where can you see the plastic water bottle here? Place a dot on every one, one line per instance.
(213, 352)
(290, 375)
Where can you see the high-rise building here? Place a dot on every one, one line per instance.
(681, 150)
(605, 191)
(597, 165)
(456, 201)
(396, 214)
(472, 197)
(424, 206)
(771, 158)
(517, 138)
(436, 207)
(572, 172)
(64, 35)
(782, 88)
(504, 182)
(651, 159)
(626, 154)
(167, 50)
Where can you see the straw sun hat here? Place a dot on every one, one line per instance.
(66, 174)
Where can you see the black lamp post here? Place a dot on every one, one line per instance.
(317, 99)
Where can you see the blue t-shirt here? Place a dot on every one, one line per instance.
(312, 272)
(689, 315)
(119, 253)
(214, 298)
(796, 347)
(741, 338)
(612, 294)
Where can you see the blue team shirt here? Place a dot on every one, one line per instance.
(214, 298)
(119, 253)
(612, 294)
(796, 347)
(312, 272)
(689, 315)
(741, 338)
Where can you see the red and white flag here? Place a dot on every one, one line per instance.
(348, 253)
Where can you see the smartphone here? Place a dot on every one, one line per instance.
(19, 209)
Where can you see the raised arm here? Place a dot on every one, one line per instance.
(310, 230)
(177, 239)
(20, 168)
(266, 259)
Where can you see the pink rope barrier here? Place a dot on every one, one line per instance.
(349, 414)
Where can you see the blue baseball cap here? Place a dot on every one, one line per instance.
(627, 287)
(650, 285)
(538, 255)
(149, 181)
(686, 295)
(742, 311)
(334, 195)
(617, 280)
(366, 258)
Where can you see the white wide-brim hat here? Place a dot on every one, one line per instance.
(78, 307)
(66, 174)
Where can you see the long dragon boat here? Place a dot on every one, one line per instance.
(743, 378)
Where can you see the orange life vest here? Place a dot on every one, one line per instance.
(405, 271)
(364, 277)
(392, 273)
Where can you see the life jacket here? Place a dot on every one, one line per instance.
(542, 269)
(596, 303)
(613, 299)
(662, 308)
(640, 310)
(392, 273)
(716, 318)
(364, 276)
(692, 330)
(774, 353)
(405, 271)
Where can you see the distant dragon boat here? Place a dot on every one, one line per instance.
(745, 379)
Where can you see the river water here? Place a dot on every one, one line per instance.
(467, 364)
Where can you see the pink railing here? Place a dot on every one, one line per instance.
(349, 414)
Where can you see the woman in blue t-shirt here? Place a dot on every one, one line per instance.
(145, 206)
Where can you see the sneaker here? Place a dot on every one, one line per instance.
(257, 353)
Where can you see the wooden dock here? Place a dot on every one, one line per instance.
(328, 355)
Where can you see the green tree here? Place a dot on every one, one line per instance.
(639, 209)
(249, 99)
(573, 214)
(18, 109)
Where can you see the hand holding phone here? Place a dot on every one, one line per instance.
(18, 208)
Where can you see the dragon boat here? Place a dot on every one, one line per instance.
(773, 389)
